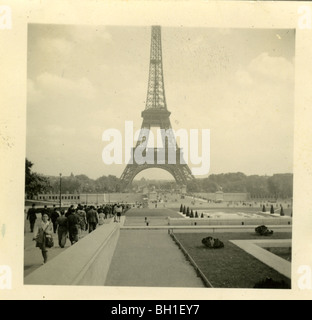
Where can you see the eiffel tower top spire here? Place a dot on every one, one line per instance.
(156, 98)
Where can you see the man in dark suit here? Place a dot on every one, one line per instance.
(62, 228)
(73, 222)
(54, 215)
(92, 218)
(32, 217)
(45, 210)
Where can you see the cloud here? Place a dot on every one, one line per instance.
(56, 46)
(243, 78)
(275, 68)
(89, 34)
(94, 132)
(51, 84)
(58, 131)
(33, 94)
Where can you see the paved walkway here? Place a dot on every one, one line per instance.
(150, 258)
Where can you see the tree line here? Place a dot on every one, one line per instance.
(36, 183)
(277, 186)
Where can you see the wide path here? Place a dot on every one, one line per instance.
(150, 258)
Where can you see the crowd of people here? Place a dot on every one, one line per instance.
(70, 223)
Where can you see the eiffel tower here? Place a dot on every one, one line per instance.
(156, 114)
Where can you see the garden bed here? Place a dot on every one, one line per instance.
(230, 267)
(283, 252)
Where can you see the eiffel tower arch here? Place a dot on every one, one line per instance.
(157, 115)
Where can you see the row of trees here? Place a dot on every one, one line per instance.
(272, 211)
(36, 183)
(189, 212)
(277, 186)
(83, 184)
(165, 185)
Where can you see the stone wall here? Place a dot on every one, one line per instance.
(225, 196)
(229, 222)
(85, 263)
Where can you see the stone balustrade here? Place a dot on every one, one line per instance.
(85, 263)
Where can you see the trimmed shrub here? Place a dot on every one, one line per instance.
(202, 215)
(212, 243)
(181, 208)
(263, 208)
(196, 214)
(192, 214)
(269, 283)
(187, 211)
(282, 211)
(263, 231)
(272, 209)
(184, 210)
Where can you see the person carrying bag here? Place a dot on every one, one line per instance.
(43, 237)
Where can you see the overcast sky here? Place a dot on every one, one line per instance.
(82, 80)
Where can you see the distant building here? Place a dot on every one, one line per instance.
(183, 189)
(221, 196)
(89, 198)
(152, 196)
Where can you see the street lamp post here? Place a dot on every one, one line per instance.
(87, 190)
(60, 191)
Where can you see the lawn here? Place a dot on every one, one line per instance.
(282, 252)
(230, 267)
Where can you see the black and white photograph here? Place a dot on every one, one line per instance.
(160, 156)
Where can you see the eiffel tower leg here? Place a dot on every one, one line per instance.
(128, 175)
(182, 174)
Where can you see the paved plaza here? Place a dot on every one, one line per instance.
(145, 255)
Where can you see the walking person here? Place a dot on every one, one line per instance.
(32, 217)
(54, 216)
(45, 210)
(62, 229)
(85, 208)
(82, 216)
(41, 235)
(101, 218)
(92, 218)
(118, 212)
(73, 223)
(70, 210)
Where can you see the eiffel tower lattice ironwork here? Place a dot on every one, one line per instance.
(156, 114)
